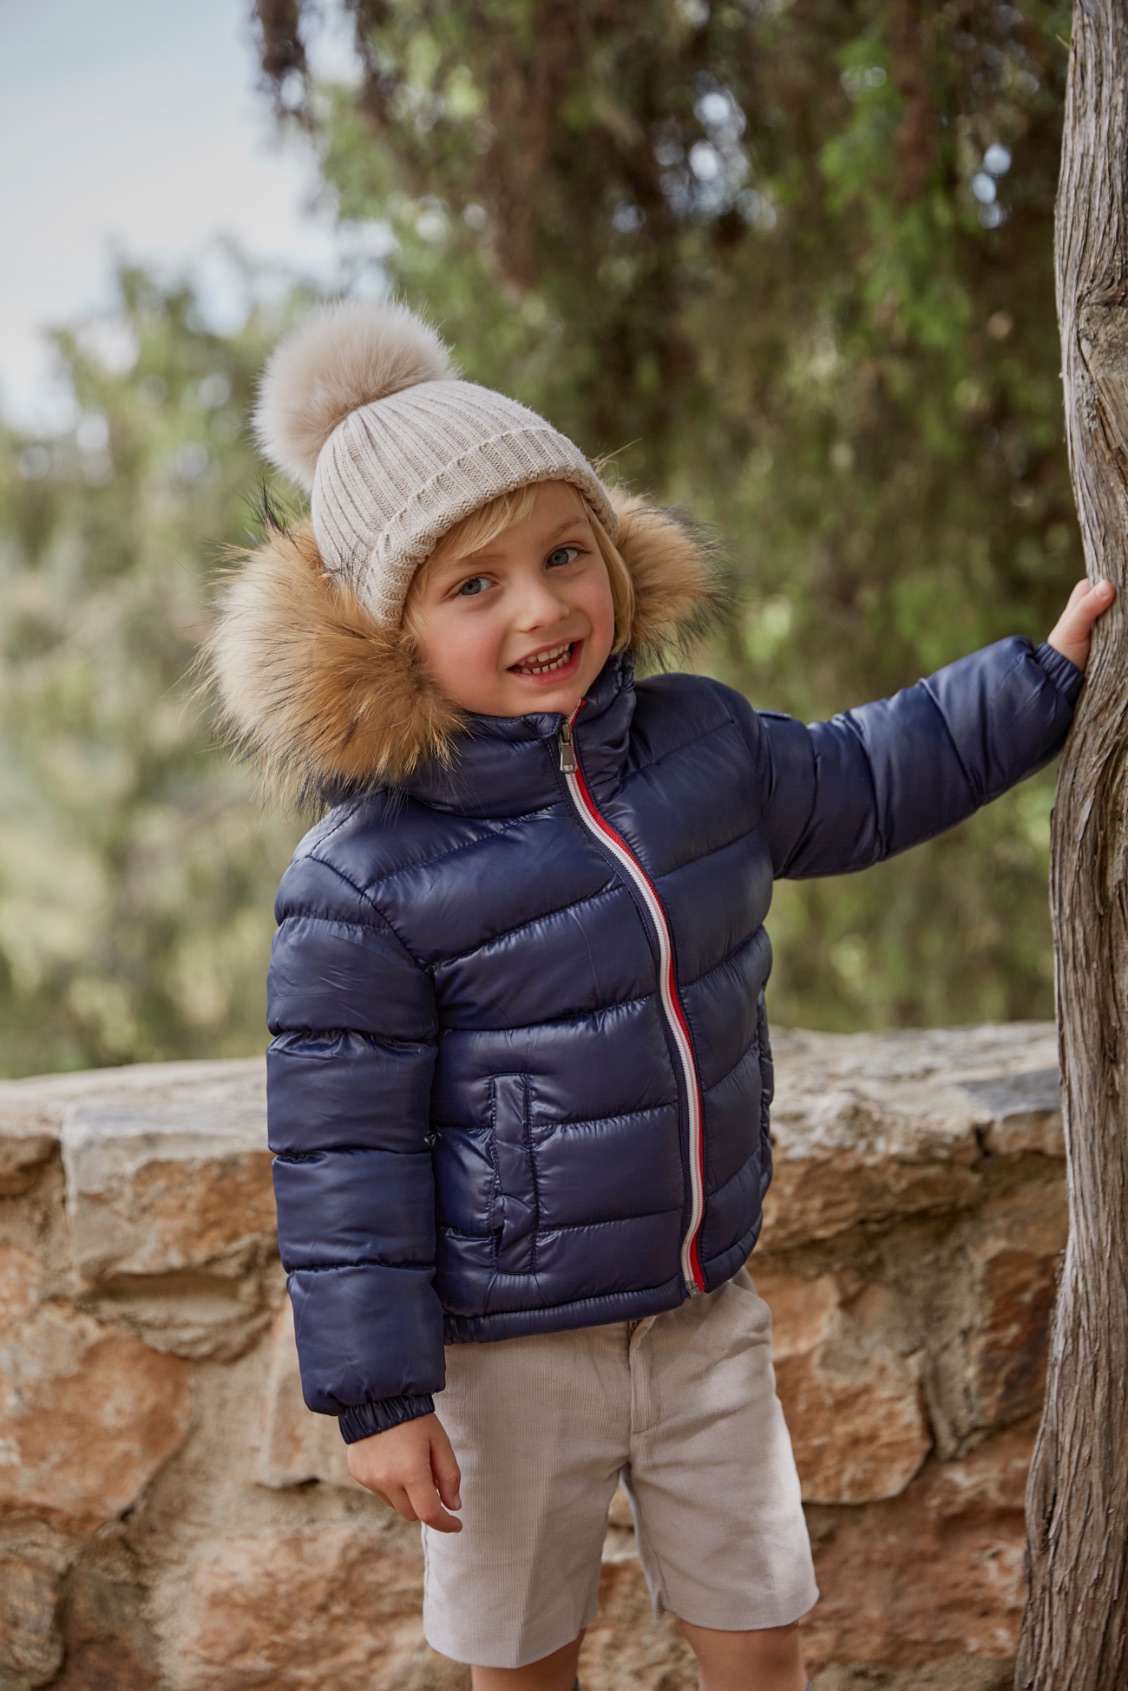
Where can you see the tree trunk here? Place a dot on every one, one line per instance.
(1075, 1629)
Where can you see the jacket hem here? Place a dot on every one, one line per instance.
(581, 1312)
(598, 1311)
(721, 1268)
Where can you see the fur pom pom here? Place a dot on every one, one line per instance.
(341, 357)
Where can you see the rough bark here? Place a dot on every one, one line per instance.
(1075, 1629)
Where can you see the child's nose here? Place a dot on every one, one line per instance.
(540, 601)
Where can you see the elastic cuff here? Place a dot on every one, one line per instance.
(1062, 671)
(376, 1416)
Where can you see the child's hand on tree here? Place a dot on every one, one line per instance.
(1075, 624)
(414, 1468)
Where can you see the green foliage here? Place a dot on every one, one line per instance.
(135, 877)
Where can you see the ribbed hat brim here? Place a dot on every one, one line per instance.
(396, 475)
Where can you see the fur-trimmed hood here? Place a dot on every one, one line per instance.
(326, 700)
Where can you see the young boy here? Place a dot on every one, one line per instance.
(520, 1074)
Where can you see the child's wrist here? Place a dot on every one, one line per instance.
(1065, 675)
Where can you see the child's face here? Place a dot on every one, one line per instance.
(526, 623)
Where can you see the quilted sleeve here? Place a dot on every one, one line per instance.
(876, 780)
(349, 1074)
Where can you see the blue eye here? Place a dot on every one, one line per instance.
(471, 588)
(562, 555)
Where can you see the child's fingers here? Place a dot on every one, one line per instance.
(445, 1469)
(1095, 600)
(405, 1464)
(426, 1507)
(447, 1482)
(1071, 632)
(1085, 605)
(413, 1497)
(396, 1497)
(1086, 602)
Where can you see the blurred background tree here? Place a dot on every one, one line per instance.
(135, 880)
(787, 265)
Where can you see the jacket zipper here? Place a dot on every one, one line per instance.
(668, 996)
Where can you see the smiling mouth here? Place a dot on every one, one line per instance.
(554, 657)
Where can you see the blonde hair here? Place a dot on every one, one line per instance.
(491, 519)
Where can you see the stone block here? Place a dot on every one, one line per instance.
(87, 1414)
(295, 1445)
(934, 1573)
(170, 1205)
(852, 1401)
(849, 1154)
(106, 1632)
(31, 1640)
(45, 1099)
(314, 1606)
(869, 1127)
(1008, 1349)
(214, 1313)
(169, 1183)
(1024, 1112)
(987, 1051)
(25, 1146)
(1015, 1252)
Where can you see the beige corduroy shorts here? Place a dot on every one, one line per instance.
(682, 1408)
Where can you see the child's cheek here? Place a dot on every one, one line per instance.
(601, 612)
(470, 664)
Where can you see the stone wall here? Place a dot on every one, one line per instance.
(171, 1516)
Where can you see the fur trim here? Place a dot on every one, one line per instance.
(327, 699)
(674, 574)
(318, 692)
(339, 358)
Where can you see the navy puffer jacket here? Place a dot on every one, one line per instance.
(520, 1073)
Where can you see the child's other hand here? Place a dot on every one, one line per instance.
(1075, 624)
(413, 1468)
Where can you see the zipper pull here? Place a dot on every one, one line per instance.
(568, 761)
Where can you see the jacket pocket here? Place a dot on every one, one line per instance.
(515, 1206)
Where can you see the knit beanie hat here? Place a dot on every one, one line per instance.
(361, 406)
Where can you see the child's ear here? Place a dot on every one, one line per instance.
(673, 569)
